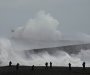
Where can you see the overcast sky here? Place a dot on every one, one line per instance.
(73, 15)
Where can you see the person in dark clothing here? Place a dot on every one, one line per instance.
(50, 64)
(46, 64)
(83, 64)
(10, 63)
(32, 67)
(69, 66)
(17, 66)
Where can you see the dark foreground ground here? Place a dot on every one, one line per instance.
(27, 70)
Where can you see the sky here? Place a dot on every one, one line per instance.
(73, 15)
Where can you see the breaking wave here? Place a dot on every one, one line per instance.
(40, 32)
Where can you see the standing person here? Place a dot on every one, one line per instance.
(32, 67)
(46, 64)
(50, 64)
(83, 64)
(17, 66)
(69, 66)
(10, 63)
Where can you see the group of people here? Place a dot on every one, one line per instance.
(46, 64)
(83, 64)
(17, 65)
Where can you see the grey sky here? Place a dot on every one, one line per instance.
(73, 15)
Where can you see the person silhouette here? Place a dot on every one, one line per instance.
(32, 67)
(46, 64)
(83, 64)
(69, 66)
(50, 64)
(10, 63)
(17, 66)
